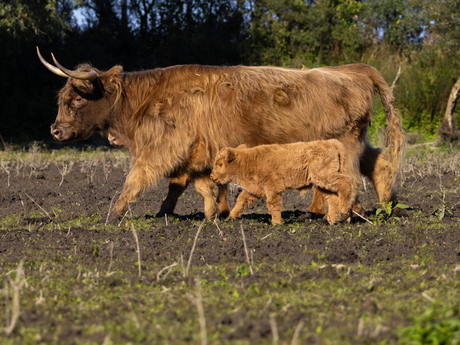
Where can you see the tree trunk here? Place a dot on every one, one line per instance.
(448, 130)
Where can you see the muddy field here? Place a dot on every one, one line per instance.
(67, 277)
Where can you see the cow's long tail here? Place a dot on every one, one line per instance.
(393, 135)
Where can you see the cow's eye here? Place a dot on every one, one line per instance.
(78, 102)
(220, 164)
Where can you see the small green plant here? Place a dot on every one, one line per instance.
(241, 271)
(96, 250)
(388, 207)
(441, 211)
(57, 210)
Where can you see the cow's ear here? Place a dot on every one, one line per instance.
(230, 156)
(242, 146)
(112, 79)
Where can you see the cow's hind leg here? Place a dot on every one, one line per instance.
(208, 191)
(244, 201)
(375, 166)
(176, 187)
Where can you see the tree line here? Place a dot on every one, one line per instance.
(420, 36)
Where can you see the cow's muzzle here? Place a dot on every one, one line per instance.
(61, 133)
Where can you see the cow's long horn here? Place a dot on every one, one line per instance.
(52, 68)
(78, 75)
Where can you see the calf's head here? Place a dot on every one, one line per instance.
(86, 101)
(225, 169)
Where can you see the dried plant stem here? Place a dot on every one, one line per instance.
(7, 170)
(263, 238)
(168, 268)
(246, 251)
(193, 249)
(16, 284)
(111, 258)
(198, 300)
(295, 337)
(182, 263)
(121, 220)
(3, 142)
(398, 75)
(110, 208)
(41, 208)
(217, 225)
(66, 168)
(367, 220)
(274, 329)
(138, 249)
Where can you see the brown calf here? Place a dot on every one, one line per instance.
(268, 170)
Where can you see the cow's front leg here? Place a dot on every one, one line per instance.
(375, 165)
(176, 187)
(208, 191)
(222, 201)
(136, 183)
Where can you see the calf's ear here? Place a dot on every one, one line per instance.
(230, 157)
(242, 146)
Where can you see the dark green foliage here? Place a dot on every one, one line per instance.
(423, 36)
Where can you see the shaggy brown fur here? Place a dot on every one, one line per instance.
(268, 170)
(184, 180)
(161, 115)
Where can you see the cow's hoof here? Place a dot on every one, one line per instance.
(224, 214)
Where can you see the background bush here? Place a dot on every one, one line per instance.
(421, 36)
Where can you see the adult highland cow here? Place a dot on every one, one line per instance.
(174, 120)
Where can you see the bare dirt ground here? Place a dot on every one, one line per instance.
(355, 283)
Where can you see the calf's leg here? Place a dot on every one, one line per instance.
(342, 185)
(274, 202)
(244, 200)
(318, 204)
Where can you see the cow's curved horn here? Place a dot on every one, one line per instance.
(52, 68)
(78, 75)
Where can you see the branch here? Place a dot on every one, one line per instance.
(398, 75)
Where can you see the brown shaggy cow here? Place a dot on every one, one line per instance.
(268, 170)
(174, 120)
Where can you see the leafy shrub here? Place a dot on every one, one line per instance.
(436, 326)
